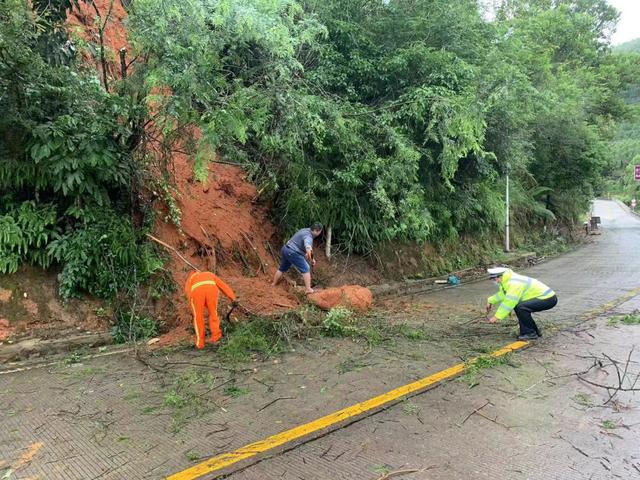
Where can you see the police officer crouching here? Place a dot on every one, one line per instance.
(521, 294)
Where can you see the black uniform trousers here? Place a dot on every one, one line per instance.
(525, 309)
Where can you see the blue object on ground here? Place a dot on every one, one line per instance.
(453, 280)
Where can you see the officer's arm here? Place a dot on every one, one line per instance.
(493, 299)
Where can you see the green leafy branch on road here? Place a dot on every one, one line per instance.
(186, 398)
(630, 319)
(268, 336)
(474, 367)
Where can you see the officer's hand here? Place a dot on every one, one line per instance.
(493, 320)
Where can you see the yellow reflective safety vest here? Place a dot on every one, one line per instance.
(516, 288)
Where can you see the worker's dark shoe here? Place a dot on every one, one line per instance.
(528, 336)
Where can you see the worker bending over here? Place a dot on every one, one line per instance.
(523, 295)
(202, 290)
(298, 251)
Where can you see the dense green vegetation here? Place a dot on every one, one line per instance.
(625, 147)
(387, 120)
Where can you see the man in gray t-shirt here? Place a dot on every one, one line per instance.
(298, 251)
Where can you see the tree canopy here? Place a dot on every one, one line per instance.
(388, 120)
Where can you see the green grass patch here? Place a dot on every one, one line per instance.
(475, 367)
(583, 399)
(261, 336)
(350, 364)
(630, 319)
(609, 425)
(410, 408)
(73, 358)
(186, 397)
(381, 469)
(235, 392)
(340, 322)
(192, 456)
(410, 333)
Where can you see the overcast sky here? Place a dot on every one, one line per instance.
(629, 24)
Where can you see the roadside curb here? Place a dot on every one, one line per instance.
(37, 347)
(626, 208)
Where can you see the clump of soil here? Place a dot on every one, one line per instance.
(351, 296)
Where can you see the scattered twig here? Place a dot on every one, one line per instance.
(494, 420)
(274, 401)
(269, 387)
(399, 473)
(270, 249)
(243, 258)
(574, 447)
(212, 251)
(475, 411)
(278, 304)
(596, 363)
(255, 250)
(622, 376)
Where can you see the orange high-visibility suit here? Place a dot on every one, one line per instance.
(201, 290)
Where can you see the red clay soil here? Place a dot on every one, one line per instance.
(5, 329)
(350, 296)
(224, 230)
(82, 22)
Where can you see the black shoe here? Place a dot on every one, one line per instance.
(528, 336)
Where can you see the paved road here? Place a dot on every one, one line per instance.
(533, 425)
(588, 277)
(116, 418)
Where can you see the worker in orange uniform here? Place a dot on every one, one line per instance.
(201, 290)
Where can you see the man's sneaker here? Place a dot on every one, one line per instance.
(528, 336)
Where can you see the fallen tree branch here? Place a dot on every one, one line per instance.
(622, 376)
(174, 250)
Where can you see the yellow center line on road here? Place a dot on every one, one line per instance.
(605, 307)
(215, 464)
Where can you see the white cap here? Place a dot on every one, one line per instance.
(496, 271)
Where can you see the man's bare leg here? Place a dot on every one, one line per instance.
(307, 282)
(277, 277)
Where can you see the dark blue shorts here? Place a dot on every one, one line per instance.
(288, 257)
